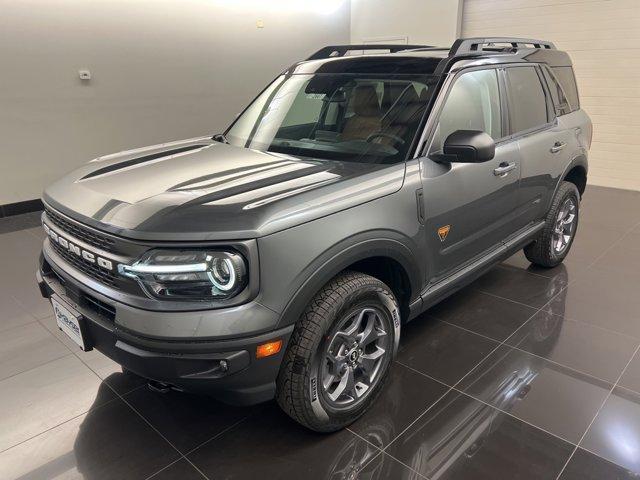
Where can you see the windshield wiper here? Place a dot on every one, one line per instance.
(219, 137)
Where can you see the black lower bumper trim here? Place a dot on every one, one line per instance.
(225, 369)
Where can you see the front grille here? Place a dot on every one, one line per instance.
(101, 308)
(88, 268)
(100, 241)
(79, 296)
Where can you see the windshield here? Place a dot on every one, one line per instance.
(348, 117)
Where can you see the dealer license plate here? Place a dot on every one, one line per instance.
(69, 321)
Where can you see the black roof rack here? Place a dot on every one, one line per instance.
(471, 45)
(341, 50)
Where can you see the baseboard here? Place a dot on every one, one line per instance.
(10, 209)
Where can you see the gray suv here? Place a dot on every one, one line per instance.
(280, 258)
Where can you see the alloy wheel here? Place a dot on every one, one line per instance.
(564, 226)
(354, 357)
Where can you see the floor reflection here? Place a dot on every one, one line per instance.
(464, 438)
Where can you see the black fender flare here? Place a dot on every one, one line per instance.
(580, 160)
(338, 257)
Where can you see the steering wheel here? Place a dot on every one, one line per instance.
(390, 136)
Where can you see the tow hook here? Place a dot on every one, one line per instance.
(159, 387)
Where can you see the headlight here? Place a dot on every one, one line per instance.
(189, 274)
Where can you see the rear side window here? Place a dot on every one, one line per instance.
(527, 101)
(560, 101)
(568, 83)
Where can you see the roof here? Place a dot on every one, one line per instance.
(423, 59)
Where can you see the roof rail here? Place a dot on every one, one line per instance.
(341, 50)
(470, 45)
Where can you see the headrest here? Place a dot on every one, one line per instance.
(365, 101)
(392, 92)
(407, 108)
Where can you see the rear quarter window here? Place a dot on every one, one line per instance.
(560, 102)
(568, 83)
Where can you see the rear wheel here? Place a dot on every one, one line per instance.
(340, 353)
(555, 240)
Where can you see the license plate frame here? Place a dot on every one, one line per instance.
(71, 322)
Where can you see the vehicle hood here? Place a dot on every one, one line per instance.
(197, 189)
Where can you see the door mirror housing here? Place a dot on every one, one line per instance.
(469, 146)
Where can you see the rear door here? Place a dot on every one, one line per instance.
(469, 207)
(542, 142)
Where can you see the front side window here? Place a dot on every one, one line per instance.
(473, 103)
(347, 117)
(527, 101)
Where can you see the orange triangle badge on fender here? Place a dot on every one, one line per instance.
(443, 232)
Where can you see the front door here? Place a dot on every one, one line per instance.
(469, 207)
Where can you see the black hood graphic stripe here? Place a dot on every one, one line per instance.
(136, 161)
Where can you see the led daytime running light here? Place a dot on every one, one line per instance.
(136, 269)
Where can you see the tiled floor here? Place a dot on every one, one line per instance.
(528, 374)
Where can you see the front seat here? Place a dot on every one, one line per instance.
(366, 119)
(405, 115)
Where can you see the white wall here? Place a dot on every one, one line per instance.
(162, 70)
(601, 36)
(430, 22)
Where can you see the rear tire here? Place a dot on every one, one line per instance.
(340, 353)
(561, 224)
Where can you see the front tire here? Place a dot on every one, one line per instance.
(340, 353)
(555, 239)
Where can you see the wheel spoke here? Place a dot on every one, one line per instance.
(370, 332)
(328, 380)
(348, 335)
(360, 388)
(559, 244)
(351, 383)
(368, 362)
(563, 212)
(334, 363)
(365, 321)
(345, 386)
(339, 389)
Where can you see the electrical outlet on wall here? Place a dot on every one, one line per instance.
(84, 74)
(260, 24)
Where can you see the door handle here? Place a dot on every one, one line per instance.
(503, 169)
(557, 147)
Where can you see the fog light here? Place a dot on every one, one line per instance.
(268, 349)
(224, 366)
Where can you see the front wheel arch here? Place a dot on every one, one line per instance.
(359, 256)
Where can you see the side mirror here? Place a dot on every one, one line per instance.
(469, 146)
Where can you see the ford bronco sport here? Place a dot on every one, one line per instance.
(280, 259)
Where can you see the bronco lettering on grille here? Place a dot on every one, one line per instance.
(86, 255)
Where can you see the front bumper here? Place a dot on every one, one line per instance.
(226, 369)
